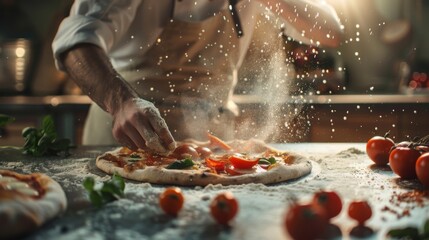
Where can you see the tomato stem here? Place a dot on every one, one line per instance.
(387, 134)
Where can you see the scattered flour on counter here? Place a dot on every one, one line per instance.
(261, 208)
(350, 152)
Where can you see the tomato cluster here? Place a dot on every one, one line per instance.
(223, 208)
(408, 160)
(302, 221)
(310, 220)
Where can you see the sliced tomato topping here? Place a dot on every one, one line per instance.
(217, 164)
(242, 162)
(218, 142)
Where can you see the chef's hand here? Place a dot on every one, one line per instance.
(138, 124)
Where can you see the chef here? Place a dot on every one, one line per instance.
(160, 71)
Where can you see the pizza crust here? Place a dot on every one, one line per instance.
(191, 177)
(20, 214)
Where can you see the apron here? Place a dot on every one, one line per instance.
(189, 73)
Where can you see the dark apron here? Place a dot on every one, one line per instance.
(189, 74)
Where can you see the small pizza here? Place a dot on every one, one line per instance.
(195, 163)
(27, 201)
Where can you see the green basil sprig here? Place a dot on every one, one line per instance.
(181, 164)
(109, 191)
(44, 141)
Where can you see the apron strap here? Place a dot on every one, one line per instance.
(173, 6)
(235, 18)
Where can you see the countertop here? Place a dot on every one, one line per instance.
(82, 100)
(343, 167)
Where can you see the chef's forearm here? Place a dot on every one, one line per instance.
(92, 71)
(314, 20)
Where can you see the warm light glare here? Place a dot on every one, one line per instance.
(20, 52)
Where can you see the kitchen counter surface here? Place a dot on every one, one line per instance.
(343, 167)
(81, 100)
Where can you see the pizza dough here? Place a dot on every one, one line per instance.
(289, 166)
(27, 201)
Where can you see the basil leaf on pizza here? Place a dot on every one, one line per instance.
(181, 164)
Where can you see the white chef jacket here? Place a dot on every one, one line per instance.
(126, 29)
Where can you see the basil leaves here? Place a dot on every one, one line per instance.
(44, 141)
(108, 191)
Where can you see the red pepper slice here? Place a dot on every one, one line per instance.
(215, 141)
(216, 164)
(242, 162)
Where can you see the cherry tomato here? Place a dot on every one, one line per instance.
(360, 211)
(306, 221)
(185, 151)
(378, 149)
(171, 200)
(240, 161)
(203, 151)
(422, 169)
(403, 162)
(224, 207)
(330, 201)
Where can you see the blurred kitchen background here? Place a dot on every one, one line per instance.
(375, 82)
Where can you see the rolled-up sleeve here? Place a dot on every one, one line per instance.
(100, 22)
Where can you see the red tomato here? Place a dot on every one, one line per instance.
(224, 207)
(216, 164)
(360, 211)
(422, 169)
(204, 151)
(330, 201)
(378, 149)
(185, 151)
(403, 162)
(240, 161)
(171, 200)
(306, 221)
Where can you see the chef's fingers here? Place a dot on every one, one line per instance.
(122, 138)
(127, 131)
(161, 129)
(134, 134)
(152, 140)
